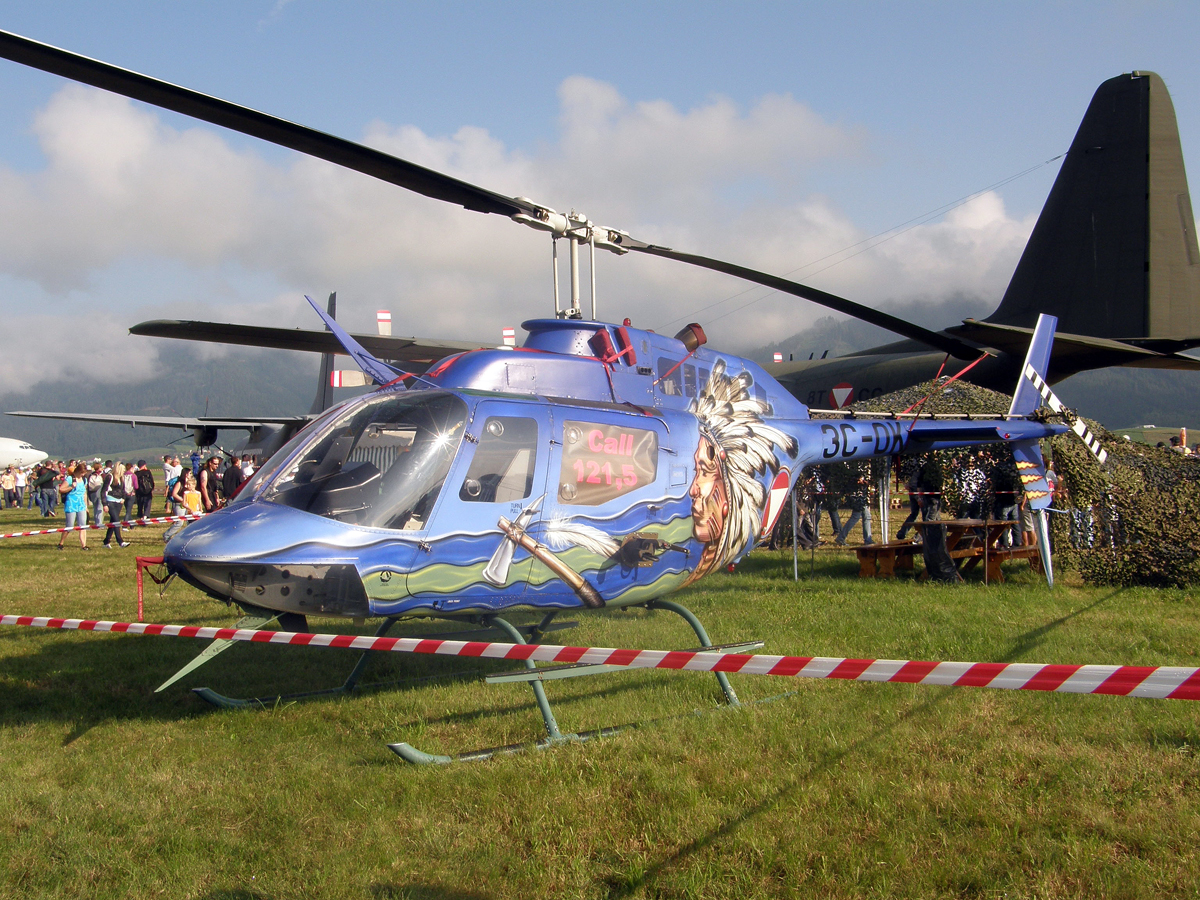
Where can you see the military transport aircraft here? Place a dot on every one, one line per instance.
(1113, 256)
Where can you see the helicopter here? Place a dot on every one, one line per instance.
(596, 466)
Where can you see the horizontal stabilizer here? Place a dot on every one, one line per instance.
(416, 353)
(1074, 353)
(938, 434)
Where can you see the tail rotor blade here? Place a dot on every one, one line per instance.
(1077, 424)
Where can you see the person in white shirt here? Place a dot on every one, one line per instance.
(171, 472)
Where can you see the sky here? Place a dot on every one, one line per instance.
(788, 137)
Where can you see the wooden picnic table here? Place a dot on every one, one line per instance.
(978, 540)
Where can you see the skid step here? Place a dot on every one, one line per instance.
(575, 670)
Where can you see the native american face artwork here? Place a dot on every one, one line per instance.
(735, 449)
(710, 501)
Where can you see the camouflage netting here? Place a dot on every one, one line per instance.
(1134, 521)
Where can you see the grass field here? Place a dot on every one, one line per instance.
(834, 789)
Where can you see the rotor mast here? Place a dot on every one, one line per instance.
(577, 229)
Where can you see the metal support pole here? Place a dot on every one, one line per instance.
(554, 275)
(574, 275)
(592, 270)
(885, 504)
(795, 535)
(701, 635)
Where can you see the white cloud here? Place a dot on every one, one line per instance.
(121, 189)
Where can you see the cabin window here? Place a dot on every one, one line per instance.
(503, 465)
(669, 383)
(689, 380)
(603, 462)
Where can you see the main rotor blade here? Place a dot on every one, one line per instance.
(936, 339)
(260, 125)
(409, 175)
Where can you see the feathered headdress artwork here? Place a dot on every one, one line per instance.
(732, 419)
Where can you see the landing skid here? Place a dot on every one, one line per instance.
(535, 676)
(351, 684)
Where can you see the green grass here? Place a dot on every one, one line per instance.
(833, 790)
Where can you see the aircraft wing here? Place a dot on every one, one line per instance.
(415, 351)
(1076, 352)
(181, 422)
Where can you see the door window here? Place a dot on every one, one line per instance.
(504, 462)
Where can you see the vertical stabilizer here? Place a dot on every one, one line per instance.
(324, 398)
(1113, 253)
(1026, 398)
(1174, 276)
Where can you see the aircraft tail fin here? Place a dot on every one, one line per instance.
(1114, 252)
(1026, 398)
(1027, 454)
(324, 398)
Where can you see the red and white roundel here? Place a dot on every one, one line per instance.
(775, 499)
(841, 395)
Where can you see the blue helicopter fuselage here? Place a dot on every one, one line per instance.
(598, 465)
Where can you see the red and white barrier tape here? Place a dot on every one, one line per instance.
(1153, 682)
(123, 524)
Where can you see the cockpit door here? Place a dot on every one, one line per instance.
(499, 477)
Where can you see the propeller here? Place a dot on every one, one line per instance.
(424, 181)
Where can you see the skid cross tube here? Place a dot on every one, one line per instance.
(411, 754)
(351, 682)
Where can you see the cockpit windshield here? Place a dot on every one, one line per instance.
(379, 464)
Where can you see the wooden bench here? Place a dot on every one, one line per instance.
(997, 555)
(882, 560)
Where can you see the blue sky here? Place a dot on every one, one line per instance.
(770, 134)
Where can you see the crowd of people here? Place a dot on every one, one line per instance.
(124, 490)
(975, 484)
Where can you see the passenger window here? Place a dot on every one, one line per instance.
(668, 384)
(689, 380)
(602, 462)
(503, 466)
